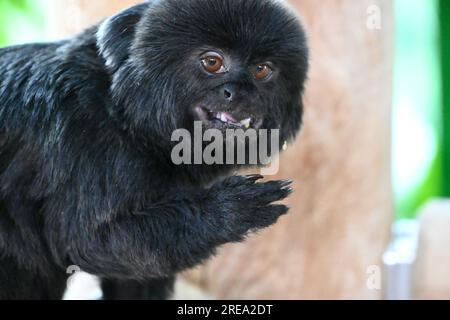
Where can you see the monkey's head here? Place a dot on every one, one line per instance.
(227, 63)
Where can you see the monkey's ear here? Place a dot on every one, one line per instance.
(115, 35)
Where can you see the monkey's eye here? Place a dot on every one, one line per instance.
(263, 72)
(213, 63)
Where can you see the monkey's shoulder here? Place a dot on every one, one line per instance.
(39, 80)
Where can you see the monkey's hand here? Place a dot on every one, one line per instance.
(247, 205)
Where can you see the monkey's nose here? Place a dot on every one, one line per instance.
(228, 94)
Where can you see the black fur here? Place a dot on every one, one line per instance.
(85, 172)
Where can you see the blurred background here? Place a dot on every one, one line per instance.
(420, 137)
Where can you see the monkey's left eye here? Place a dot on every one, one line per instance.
(263, 72)
(213, 63)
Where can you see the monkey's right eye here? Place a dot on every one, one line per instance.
(213, 63)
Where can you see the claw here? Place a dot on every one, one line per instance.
(286, 183)
(289, 190)
(255, 177)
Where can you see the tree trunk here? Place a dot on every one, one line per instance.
(341, 212)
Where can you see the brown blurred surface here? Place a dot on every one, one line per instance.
(342, 208)
(67, 17)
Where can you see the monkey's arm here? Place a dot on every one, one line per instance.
(181, 230)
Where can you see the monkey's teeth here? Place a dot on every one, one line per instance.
(229, 119)
(246, 123)
(226, 118)
(223, 117)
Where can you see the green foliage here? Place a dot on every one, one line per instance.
(418, 137)
(21, 21)
(445, 61)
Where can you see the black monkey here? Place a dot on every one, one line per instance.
(86, 176)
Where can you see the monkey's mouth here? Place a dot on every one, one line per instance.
(224, 119)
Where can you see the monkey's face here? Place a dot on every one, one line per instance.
(234, 91)
(227, 63)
